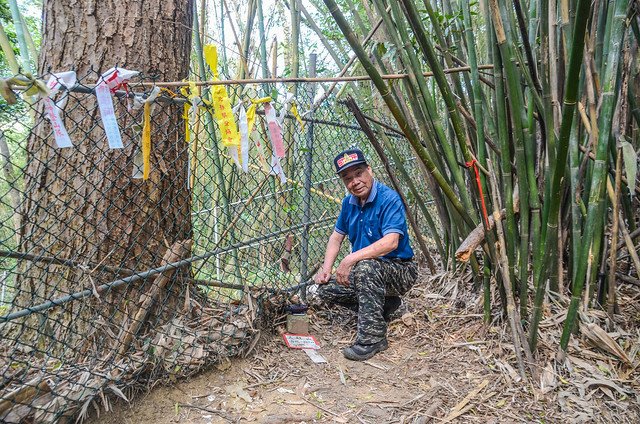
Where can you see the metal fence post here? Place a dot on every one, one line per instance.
(3, 283)
(304, 254)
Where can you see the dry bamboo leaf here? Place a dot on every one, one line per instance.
(118, 392)
(508, 370)
(630, 162)
(608, 383)
(547, 379)
(408, 319)
(238, 391)
(84, 410)
(602, 340)
(458, 409)
(343, 379)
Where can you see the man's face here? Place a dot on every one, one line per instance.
(358, 180)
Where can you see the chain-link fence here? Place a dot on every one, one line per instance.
(123, 267)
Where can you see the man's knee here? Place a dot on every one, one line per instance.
(367, 273)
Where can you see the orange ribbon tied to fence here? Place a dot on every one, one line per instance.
(474, 164)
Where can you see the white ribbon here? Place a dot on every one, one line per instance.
(139, 100)
(276, 169)
(285, 107)
(53, 108)
(244, 138)
(108, 81)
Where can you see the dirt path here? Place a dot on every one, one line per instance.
(442, 365)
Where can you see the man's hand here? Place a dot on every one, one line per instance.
(343, 271)
(322, 276)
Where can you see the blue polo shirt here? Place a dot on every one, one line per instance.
(382, 213)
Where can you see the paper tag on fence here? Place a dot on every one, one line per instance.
(299, 341)
(111, 80)
(57, 81)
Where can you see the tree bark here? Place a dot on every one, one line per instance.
(81, 202)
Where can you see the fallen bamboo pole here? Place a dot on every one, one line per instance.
(476, 237)
(177, 251)
(23, 394)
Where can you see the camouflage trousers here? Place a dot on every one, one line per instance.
(370, 281)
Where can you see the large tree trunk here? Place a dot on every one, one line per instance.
(81, 202)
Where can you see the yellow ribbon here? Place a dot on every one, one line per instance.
(221, 103)
(251, 112)
(251, 117)
(294, 110)
(146, 141)
(261, 100)
(185, 116)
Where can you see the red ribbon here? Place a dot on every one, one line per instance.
(474, 163)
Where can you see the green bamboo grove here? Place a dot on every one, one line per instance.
(543, 128)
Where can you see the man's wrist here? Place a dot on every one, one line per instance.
(350, 259)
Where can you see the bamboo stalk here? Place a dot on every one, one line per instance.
(346, 67)
(225, 60)
(353, 107)
(553, 71)
(310, 22)
(20, 30)
(214, 143)
(509, 241)
(246, 39)
(7, 49)
(596, 205)
(518, 117)
(415, 87)
(429, 52)
(611, 295)
(395, 110)
(263, 48)
(627, 237)
(486, 289)
(519, 340)
(550, 222)
(442, 41)
(403, 41)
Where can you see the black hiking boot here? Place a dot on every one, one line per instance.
(391, 305)
(359, 352)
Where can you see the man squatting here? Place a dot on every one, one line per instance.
(380, 267)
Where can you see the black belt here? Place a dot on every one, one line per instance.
(400, 259)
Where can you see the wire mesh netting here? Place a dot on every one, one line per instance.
(123, 267)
